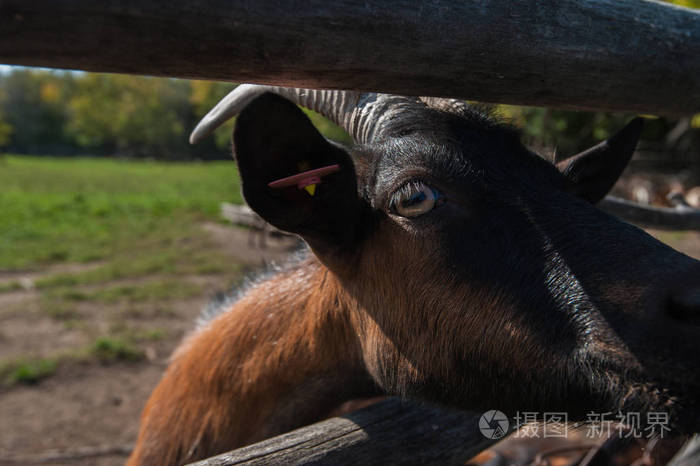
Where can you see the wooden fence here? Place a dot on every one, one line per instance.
(631, 55)
(390, 432)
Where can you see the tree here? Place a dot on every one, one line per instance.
(5, 127)
(130, 115)
(34, 107)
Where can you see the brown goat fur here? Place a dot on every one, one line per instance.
(283, 356)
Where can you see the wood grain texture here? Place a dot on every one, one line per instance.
(389, 432)
(631, 55)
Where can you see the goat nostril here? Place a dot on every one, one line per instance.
(684, 305)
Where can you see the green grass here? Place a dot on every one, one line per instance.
(82, 209)
(104, 349)
(164, 258)
(158, 290)
(59, 309)
(60, 302)
(10, 286)
(111, 349)
(26, 370)
(155, 334)
(136, 334)
(159, 260)
(138, 223)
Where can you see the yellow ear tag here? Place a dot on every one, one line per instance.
(311, 189)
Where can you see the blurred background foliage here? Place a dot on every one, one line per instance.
(668, 144)
(73, 113)
(45, 112)
(686, 3)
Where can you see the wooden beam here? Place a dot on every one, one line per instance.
(664, 218)
(389, 432)
(627, 55)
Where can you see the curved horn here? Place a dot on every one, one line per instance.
(456, 106)
(363, 115)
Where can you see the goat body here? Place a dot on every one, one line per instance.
(445, 260)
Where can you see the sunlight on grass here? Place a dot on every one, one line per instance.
(167, 257)
(138, 224)
(121, 345)
(156, 261)
(80, 209)
(159, 290)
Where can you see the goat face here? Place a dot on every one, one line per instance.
(480, 274)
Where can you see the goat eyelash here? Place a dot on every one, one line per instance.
(409, 188)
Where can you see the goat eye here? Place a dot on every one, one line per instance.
(415, 198)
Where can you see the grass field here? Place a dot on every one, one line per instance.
(79, 210)
(104, 241)
(104, 266)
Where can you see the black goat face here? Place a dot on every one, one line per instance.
(481, 275)
(506, 276)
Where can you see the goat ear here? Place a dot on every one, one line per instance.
(273, 139)
(592, 173)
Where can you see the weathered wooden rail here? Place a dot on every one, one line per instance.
(664, 218)
(389, 432)
(632, 55)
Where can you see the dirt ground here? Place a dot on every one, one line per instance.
(90, 406)
(87, 407)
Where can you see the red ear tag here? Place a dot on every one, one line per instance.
(306, 180)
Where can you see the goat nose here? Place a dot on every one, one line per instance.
(684, 305)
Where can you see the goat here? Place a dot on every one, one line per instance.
(445, 259)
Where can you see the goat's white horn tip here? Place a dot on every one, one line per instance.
(197, 135)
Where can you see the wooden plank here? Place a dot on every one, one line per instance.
(631, 55)
(389, 432)
(678, 218)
